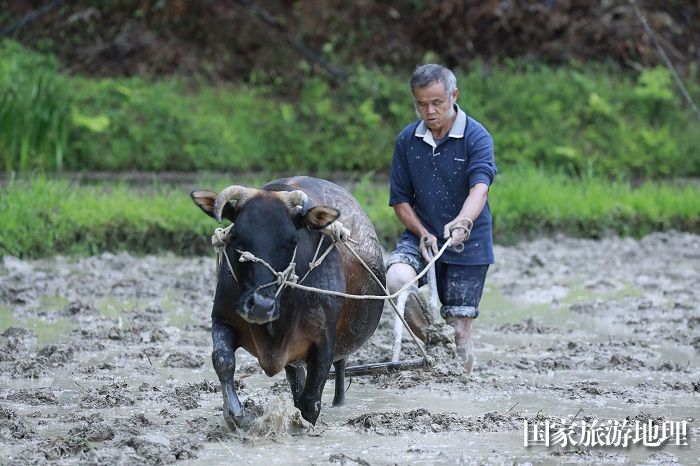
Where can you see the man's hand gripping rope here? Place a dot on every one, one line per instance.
(458, 230)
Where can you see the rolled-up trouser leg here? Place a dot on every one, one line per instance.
(460, 288)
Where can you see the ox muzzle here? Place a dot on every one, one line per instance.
(260, 307)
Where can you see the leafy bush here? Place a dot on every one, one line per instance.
(586, 120)
(34, 110)
(581, 120)
(132, 124)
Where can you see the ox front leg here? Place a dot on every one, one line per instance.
(318, 365)
(223, 357)
(339, 396)
(296, 375)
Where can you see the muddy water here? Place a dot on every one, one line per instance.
(105, 360)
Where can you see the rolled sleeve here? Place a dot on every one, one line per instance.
(482, 162)
(480, 176)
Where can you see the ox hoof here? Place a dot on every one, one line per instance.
(240, 421)
(310, 409)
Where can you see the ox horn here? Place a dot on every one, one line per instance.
(237, 193)
(297, 198)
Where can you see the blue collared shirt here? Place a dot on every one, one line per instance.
(435, 180)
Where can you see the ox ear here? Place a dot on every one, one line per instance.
(317, 218)
(205, 201)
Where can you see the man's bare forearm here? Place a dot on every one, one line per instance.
(475, 202)
(407, 216)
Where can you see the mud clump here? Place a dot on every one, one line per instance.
(133, 425)
(107, 396)
(184, 360)
(47, 359)
(79, 308)
(57, 354)
(692, 386)
(13, 428)
(32, 368)
(33, 396)
(422, 421)
(58, 448)
(158, 449)
(186, 398)
(528, 326)
(93, 432)
(622, 362)
(662, 457)
(439, 335)
(589, 457)
(344, 459)
(19, 337)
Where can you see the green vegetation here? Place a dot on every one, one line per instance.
(34, 110)
(42, 217)
(576, 119)
(530, 202)
(570, 141)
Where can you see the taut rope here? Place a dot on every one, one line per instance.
(287, 277)
(221, 236)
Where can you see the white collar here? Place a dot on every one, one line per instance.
(457, 130)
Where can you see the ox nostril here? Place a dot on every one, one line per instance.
(249, 302)
(262, 302)
(258, 308)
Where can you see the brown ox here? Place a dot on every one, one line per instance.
(300, 331)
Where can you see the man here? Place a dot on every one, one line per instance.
(442, 168)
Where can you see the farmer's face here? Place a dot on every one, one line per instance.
(435, 107)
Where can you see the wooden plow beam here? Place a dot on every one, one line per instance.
(377, 368)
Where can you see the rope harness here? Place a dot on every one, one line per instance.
(287, 277)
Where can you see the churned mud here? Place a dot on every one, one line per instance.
(106, 360)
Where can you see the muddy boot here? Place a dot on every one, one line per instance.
(463, 340)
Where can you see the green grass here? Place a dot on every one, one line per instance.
(42, 217)
(530, 202)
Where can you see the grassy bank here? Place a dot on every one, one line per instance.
(41, 217)
(577, 119)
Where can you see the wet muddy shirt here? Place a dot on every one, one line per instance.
(435, 180)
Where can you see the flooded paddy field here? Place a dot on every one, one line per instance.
(106, 360)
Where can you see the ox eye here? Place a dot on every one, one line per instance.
(292, 243)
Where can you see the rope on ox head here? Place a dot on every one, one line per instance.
(219, 240)
(282, 279)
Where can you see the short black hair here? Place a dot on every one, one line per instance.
(425, 75)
